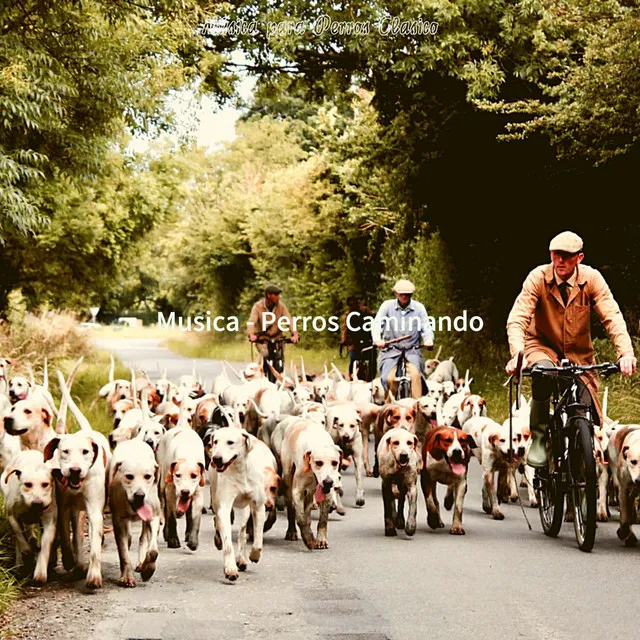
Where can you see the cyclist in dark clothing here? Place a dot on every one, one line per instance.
(356, 334)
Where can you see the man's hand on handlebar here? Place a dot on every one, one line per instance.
(295, 338)
(253, 337)
(381, 344)
(627, 365)
(512, 365)
(428, 346)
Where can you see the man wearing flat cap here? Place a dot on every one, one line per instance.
(551, 320)
(259, 327)
(402, 317)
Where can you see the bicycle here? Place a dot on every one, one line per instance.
(403, 379)
(572, 469)
(275, 356)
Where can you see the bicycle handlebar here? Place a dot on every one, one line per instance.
(571, 369)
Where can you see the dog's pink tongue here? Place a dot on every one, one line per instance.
(145, 512)
(183, 505)
(319, 495)
(433, 422)
(457, 468)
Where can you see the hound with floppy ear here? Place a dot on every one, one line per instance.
(624, 458)
(310, 469)
(393, 416)
(343, 424)
(446, 452)
(493, 455)
(182, 476)
(29, 498)
(81, 477)
(400, 463)
(133, 495)
(115, 390)
(31, 421)
(237, 478)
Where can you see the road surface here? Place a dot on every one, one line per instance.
(499, 581)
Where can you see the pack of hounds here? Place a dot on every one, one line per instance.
(260, 447)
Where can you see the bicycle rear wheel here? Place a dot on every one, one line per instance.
(550, 498)
(583, 484)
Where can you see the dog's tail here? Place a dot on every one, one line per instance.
(45, 375)
(61, 422)
(134, 393)
(83, 423)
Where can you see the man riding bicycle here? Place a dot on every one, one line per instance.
(551, 320)
(399, 317)
(264, 319)
(355, 336)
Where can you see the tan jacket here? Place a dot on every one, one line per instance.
(256, 317)
(540, 324)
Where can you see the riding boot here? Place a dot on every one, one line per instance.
(538, 423)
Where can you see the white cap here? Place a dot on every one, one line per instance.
(566, 241)
(403, 286)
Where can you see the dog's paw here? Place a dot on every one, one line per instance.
(94, 582)
(498, 515)
(242, 565)
(603, 517)
(369, 473)
(173, 543)
(39, 578)
(514, 499)
(68, 561)
(255, 554)
(127, 581)
(231, 574)
(533, 504)
(192, 543)
(390, 531)
(568, 516)
(457, 530)
(433, 520)
(319, 544)
(399, 522)
(359, 502)
(448, 501)
(410, 529)
(340, 510)
(291, 535)
(148, 567)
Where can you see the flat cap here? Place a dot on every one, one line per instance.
(404, 286)
(566, 241)
(272, 288)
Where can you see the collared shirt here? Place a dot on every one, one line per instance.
(392, 321)
(571, 281)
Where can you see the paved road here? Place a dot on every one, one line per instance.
(499, 581)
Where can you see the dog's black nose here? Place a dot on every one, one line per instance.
(327, 485)
(138, 499)
(185, 495)
(151, 444)
(404, 457)
(521, 451)
(217, 460)
(346, 439)
(457, 456)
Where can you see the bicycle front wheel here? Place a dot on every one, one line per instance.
(583, 484)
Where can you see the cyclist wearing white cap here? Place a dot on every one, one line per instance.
(402, 316)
